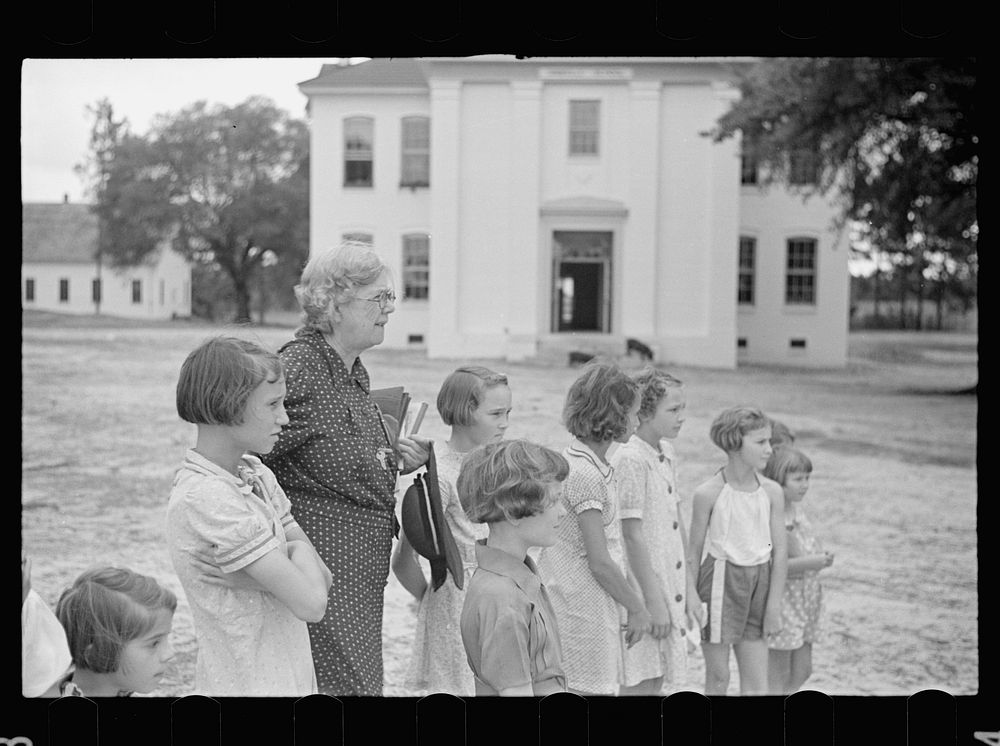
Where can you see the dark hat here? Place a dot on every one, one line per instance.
(426, 528)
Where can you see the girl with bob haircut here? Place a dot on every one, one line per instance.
(790, 657)
(250, 573)
(585, 570)
(475, 401)
(117, 625)
(508, 625)
(656, 539)
(737, 521)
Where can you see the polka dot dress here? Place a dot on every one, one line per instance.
(335, 464)
(802, 604)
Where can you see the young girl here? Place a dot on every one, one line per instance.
(737, 518)
(249, 572)
(790, 658)
(117, 624)
(585, 570)
(655, 537)
(475, 401)
(508, 626)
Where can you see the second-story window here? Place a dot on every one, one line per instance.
(802, 168)
(358, 151)
(748, 170)
(415, 167)
(584, 127)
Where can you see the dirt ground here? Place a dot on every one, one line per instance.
(894, 487)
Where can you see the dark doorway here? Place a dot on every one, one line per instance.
(581, 300)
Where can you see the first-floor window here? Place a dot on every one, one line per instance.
(800, 271)
(95, 290)
(64, 290)
(137, 291)
(358, 237)
(416, 265)
(748, 250)
(29, 288)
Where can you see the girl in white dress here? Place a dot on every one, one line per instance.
(655, 538)
(475, 401)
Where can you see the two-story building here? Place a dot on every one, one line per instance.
(539, 205)
(60, 269)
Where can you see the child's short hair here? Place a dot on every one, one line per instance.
(730, 426)
(104, 610)
(785, 461)
(653, 385)
(330, 275)
(462, 393)
(508, 479)
(598, 401)
(780, 434)
(218, 377)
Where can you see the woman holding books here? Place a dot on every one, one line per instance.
(338, 463)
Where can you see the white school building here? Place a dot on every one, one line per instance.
(60, 271)
(532, 207)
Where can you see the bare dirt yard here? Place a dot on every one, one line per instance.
(894, 488)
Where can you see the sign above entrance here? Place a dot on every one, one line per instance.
(585, 73)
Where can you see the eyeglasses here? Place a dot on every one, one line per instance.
(383, 298)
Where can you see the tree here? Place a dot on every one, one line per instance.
(228, 186)
(896, 142)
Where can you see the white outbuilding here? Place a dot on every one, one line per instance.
(60, 269)
(536, 206)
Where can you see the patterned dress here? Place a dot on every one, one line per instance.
(647, 489)
(249, 643)
(802, 605)
(589, 618)
(335, 463)
(438, 662)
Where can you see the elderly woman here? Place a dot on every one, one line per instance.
(336, 462)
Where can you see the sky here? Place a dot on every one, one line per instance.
(55, 94)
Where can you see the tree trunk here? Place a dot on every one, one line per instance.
(939, 302)
(242, 300)
(876, 289)
(902, 297)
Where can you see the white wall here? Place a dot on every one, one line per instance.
(384, 210)
(772, 216)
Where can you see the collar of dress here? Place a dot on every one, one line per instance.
(581, 450)
(524, 574)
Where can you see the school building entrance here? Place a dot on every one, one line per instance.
(581, 297)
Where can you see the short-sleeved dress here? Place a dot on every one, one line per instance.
(802, 605)
(509, 629)
(589, 618)
(336, 464)
(249, 643)
(438, 662)
(647, 490)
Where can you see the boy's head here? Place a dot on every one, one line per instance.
(105, 609)
(730, 426)
(780, 434)
(462, 393)
(598, 403)
(509, 479)
(785, 461)
(217, 378)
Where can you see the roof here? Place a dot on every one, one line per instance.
(391, 73)
(58, 232)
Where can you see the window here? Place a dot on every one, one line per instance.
(416, 265)
(800, 273)
(95, 290)
(163, 291)
(64, 290)
(359, 237)
(748, 169)
(416, 161)
(748, 252)
(358, 151)
(29, 289)
(584, 127)
(802, 168)
(137, 291)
